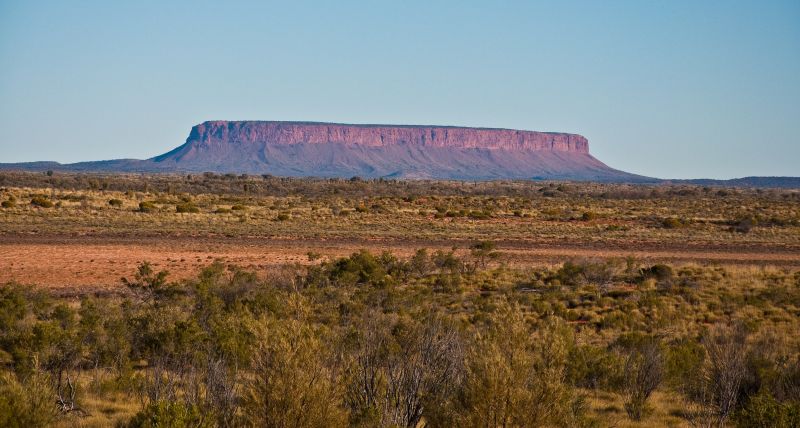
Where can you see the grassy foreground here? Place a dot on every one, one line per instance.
(472, 331)
(435, 340)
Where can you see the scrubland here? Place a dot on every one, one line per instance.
(236, 206)
(398, 304)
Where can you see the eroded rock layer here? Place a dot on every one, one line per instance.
(254, 132)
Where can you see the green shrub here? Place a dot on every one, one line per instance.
(186, 207)
(447, 261)
(169, 414)
(683, 363)
(763, 410)
(594, 367)
(147, 207)
(292, 386)
(448, 282)
(570, 274)
(28, 403)
(361, 268)
(516, 377)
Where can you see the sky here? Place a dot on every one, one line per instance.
(669, 89)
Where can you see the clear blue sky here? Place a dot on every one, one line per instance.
(674, 89)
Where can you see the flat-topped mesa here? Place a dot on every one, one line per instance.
(214, 133)
(313, 149)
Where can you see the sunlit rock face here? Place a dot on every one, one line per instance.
(280, 133)
(398, 151)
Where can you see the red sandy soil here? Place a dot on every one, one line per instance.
(76, 265)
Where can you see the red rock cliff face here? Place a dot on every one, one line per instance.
(210, 134)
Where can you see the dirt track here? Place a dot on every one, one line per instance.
(86, 264)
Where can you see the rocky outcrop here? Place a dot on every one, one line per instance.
(400, 151)
(282, 133)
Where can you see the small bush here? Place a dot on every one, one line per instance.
(238, 208)
(577, 273)
(588, 216)
(147, 207)
(594, 367)
(683, 361)
(480, 215)
(41, 201)
(222, 210)
(448, 282)
(660, 272)
(169, 414)
(115, 202)
(763, 407)
(283, 217)
(27, 403)
(643, 372)
(9, 204)
(186, 207)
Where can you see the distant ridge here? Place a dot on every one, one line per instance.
(317, 149)
(784, 182)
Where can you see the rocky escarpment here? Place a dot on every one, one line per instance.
(402, 151)
(315, 149)
(282, 133)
